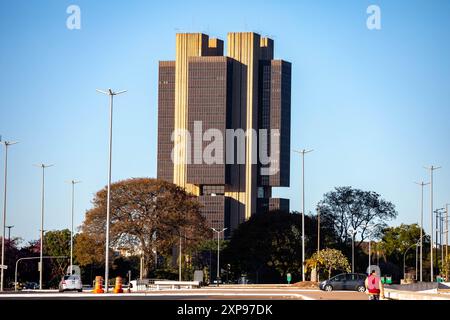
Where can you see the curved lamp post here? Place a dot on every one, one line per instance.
(404, 257)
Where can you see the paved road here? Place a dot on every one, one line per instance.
(199, 294)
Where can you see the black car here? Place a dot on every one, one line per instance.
(31, 286)
(345, 281)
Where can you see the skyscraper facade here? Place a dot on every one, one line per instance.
(203, 95)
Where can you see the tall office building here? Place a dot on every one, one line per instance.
(244, 91)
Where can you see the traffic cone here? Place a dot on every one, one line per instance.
(118, 287)
(98, 285)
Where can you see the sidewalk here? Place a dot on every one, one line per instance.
(411, 295)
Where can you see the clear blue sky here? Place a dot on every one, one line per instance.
(375, 105)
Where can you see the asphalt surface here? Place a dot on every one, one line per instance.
(195, 294)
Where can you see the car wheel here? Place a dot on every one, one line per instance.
(361, 289)
(328, 288)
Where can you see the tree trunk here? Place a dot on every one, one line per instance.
(314, 274)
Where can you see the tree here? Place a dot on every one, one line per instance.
(444, 267)
(147, 215)
(379, 250)
(346, 208)
(57, 243)
(329, 259)
(267, 246)
(204, 257)
(11, 255)
(396, 240)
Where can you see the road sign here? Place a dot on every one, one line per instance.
(3, 266)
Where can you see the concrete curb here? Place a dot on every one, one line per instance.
(409, 295)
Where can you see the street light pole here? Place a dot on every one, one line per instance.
(111, 95)
(437, 238)
(404, 258)
(422, 185)
(9, 233)
(352, 233)
(417, 247)
(6, 144)
(370, 227)
(41, 265)
(179, 260)
(446, 239)
(218, 251)
(31, 258)
(303, 152)
(431, 168)
(438, 233)
(73, 182)
(353, 253)
(441, 236)
(318, 231)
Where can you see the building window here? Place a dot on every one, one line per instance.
(213, 190)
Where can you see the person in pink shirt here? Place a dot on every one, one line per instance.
(374, 286)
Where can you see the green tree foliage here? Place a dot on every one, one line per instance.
(395, 241)
(57, 243)
(330, 260)
(266, 246)
(444, 266)
(204, 257)
(347, 208)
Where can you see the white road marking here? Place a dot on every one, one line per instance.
(92, 295)
(274, 292)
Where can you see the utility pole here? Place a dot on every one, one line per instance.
(353, 232)
(431, 168)
(73, 182)
(404, 259)
(303, 152)
(441, 236)
(318, 231)
(370, 228)
(417, 247)
(218, 251)
(438, 233)
(353, 252)
(141, 266)
(446, 238)
(111, 95)
(437, 239)
(41, 264)
(6, 144)
(422, 185)
(179, 260)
